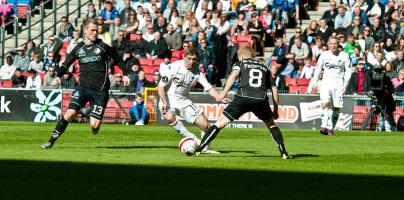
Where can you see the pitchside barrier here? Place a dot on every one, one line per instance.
(296, 111)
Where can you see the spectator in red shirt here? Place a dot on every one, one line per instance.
(360, 79)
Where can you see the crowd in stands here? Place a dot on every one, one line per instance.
(147, 34)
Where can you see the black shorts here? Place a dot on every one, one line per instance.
(98, 101)
(241, 105)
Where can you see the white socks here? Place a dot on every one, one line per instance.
(180, 128)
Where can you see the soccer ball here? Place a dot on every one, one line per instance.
(188, 145)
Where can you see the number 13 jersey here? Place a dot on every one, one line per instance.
(254, 79)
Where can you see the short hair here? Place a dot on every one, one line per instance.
(246, 51)
(190, 52)
(332, 37)
(138, 95)
(88, 21)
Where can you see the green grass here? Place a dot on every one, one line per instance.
(128, 162)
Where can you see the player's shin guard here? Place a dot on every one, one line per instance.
(180, 128)
(210, 134)
(334, 118)
(324, 118)
(278, 138)
(59, 130)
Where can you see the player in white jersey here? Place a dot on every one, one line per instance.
(337, 72)
(179, 78)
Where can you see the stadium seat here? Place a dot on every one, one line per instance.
(117, 69)
(244, 40)
(303, 81)
(290, 81)
(157, 62)
(7, 84)
(42, 75)
(145, 61)
(149, 77)
(294, 89)
(176, 54)
(303, 89)
(148, 69)
(22, 11)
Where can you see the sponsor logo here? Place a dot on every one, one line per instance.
(47, 107)
(4, 105)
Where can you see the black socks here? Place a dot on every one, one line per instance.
(277, 136)
(210, 134)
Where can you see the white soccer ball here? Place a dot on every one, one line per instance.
(188, 145)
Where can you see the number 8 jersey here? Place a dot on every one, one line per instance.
(254, 79)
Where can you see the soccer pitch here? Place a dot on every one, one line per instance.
(131, 162)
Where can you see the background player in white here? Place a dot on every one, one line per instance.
(180, 77)
(337, 72)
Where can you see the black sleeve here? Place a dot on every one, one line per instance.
(117, 60)
(282, 84)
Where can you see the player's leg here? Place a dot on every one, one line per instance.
(172, 119)
(278, 138)
(77, 101)
(203, 123)
(325, 97)
(337, 103)
(98, 103)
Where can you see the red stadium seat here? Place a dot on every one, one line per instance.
(145, 61)
(148, 69)
(294, 89)
(303, 82)
(290, 81)
(7, 84)
(149, 77)
(243, 44)
(157, 62)
(176, 54)
(303, 89)
(244, 40)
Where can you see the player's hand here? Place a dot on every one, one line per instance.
(126, 81)
(220, 97)
(163, 108)
(56, 81)
(225, 100)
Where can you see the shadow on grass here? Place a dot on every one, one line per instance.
(67, 180)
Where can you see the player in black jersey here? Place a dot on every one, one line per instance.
(251, 96)
(93, 85)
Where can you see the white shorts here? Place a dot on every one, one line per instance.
(189, 113)
(332, 95)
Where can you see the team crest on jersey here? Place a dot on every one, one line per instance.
(164, 79)
(97, 51)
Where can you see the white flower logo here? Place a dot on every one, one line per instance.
(46, 108)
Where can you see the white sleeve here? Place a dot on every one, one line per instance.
(348, 71)
(317, 72)
(236, 66)
(166, 75)
(204, 82)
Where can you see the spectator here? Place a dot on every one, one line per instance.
(308, 69)
(371, 56)
(156, 79)
(124, 14)
(210, 32)
(18, 80)
(7, 13)
(109, 13)
(316, 48)
(398, 82)
(30, 48)
(329, 15)
(393, 32)
(21, 60)
(299, 34)
(300, 50)
(183, 6)
(376, 10)
(49, 77)
(356, 56)
(388, 50)
(8, 69)
(355, 27)
(157, 48)
(224, 6)
(277, 79)
(324, 31)
(266, 19)
(398, 63)
(240, 26)
(36, 63)
(197, 43)
(131, 24)
(67, 81)
(388, 68)
(189, 16)
(207, 17)
(169, 9)
(104, 35)
(34, 80)
(116, 27)
(139, 45)
(255, 28)
(377, 31)
(362, 4)
(311, 32)
(288, 67)
(138, 112)
(280, 50)
(65, 29)
(369, 40)
(76, 39)
(361, 16)
(379, 62)
(134, 66)
(242, 6)
(193, 31)
(149, 34)
(121, 44)
(206, 60)
(360, 79)
(286, 9)
(91, 12)
(343, 20)
(341, 42)
(175, 19)
(141, 82)
(51, 48)
(351, 45)
(173, 38)
(161, 25)
(201, 7)
(118, 83)
(50, 62)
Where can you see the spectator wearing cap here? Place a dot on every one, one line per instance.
(49, 77)
(8, 69)
(21, 60)
(134, 66)
(157, 48)
(329, 15)
(18, 80)
(65, 29)
(52, 47)
(173, 38)
(360, 79)
(34, 80)
(109, 13)
(139, 45)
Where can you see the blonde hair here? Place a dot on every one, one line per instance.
(246, 51)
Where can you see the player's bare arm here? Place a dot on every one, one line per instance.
(163, 98)
(230, 81)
